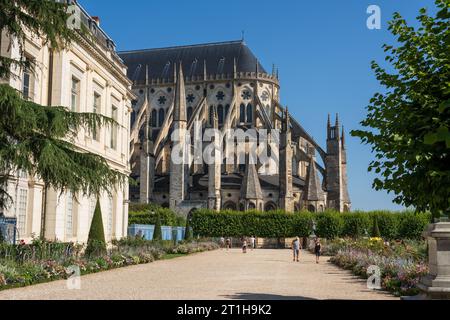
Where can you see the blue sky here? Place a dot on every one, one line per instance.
(323, 50)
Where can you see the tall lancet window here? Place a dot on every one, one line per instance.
(211, 115)
(249, 113)
(154, 118)
(189, 113)
(220, 114)
(161, 117)
(242, 113)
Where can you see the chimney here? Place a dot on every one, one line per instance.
(97, 20)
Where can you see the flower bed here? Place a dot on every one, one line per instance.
(402, 264)
(17, 270)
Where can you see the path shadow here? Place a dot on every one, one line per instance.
(263, 296)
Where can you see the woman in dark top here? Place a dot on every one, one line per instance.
(317, 250)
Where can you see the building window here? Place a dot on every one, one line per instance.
(242, 114)
(96, 108)
(161, 117)
(246, 95)
(114, 128)
(211, 115)
(22, 212)
(220, 114)
(154, 118)
(220, 96)
(190, 111)
(162, 100)
(249, 113)
(190, 98)
(69, 215)
(26, 84)
(75, 94)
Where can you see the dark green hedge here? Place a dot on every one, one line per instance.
(236, 224)
(330, 224)
(147, 214)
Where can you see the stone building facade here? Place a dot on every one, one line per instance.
(222, 85)
(88, 76)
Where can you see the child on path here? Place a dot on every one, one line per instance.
(296, 249)
(318, 250)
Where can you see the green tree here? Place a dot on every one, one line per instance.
(157, 233)
(96, 244)
(40, 139)
(408, 124)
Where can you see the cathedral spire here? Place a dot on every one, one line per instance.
(180, 97)
(337, 127)
(251, 187)
(314, 191)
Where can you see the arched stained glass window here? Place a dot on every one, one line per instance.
(211, 115)
(220, 114)
(249, 113)
(154, 118)
(161, 117)
(242, 113)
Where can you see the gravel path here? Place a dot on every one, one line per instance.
(260, 274)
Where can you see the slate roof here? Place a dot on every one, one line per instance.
(219, 57)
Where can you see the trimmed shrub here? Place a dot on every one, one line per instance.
(355, 224)
(96, 244)
(329, 224)
(376, 230)
(412, 225)
(188, 233)
(147, 214)
(157, 234)
(208, 223)
(388, 223)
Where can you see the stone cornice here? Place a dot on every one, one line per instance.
(104, 60)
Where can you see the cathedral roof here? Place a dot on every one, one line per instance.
(219, 58)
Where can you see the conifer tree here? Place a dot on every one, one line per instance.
(188, 232)
(157, 233)
(96, 244)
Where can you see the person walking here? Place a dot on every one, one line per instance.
(244, 245)
(296, 249)
(318, 250)
(228, 244)
(253, 242)
(222, 243)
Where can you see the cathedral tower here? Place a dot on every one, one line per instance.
(336, 166)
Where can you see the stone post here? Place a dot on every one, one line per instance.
(436, 285)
